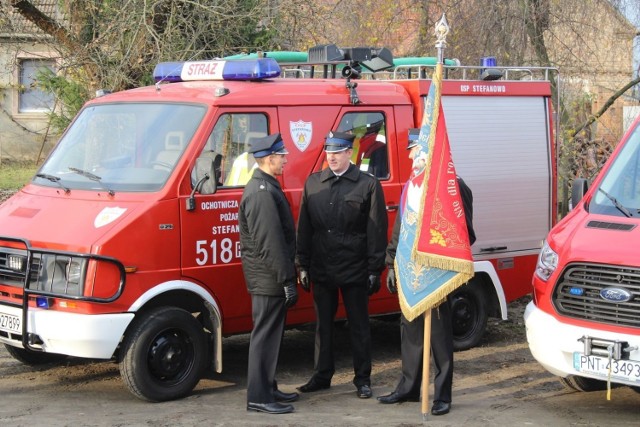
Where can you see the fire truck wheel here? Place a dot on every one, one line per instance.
(163, 354)
(469, 315)
(32, 358)
(575, 382)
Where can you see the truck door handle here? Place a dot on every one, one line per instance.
(391, 208)
(493, 249)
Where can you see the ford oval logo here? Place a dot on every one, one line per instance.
(615, 295)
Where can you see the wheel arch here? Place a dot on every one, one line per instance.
(487, 277)
(192, 298)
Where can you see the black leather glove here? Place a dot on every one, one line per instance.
(303, 278)
(290, 294)
(374, 284)
(391, 281)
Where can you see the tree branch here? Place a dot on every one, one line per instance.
(46, 24)
(606, 105)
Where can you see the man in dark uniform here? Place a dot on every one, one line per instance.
(267, 239)
(412, 333)
(342, 235)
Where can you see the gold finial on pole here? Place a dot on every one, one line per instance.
(441, 31)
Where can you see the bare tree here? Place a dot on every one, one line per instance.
(302, 24)
(114, 44)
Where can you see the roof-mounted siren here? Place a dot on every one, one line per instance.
(373, 59)
(325, 53)
(489, 73)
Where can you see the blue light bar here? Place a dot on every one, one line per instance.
(168, 72)
(249, 69)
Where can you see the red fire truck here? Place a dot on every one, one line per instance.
(586, 285)
(124, 246)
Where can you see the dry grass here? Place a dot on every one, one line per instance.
(14, 175)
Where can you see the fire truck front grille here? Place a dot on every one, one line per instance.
(607, 294)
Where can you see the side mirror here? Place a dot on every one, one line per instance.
(578, 190)
(206, 181)
(205, 166)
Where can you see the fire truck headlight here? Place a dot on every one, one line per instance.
(16, 262)
(74, 271)
(61, 274)
(547, 262)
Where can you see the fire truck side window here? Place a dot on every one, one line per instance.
(228, 145)
(370, 146)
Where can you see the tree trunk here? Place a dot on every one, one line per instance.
(536, 17)
(424, 36)
(63, 38)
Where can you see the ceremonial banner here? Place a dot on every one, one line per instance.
(433, 256)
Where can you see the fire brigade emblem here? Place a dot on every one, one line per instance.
(108, 215)
(301, 132)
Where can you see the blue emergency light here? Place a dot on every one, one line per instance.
(44, 302)
(246, 69)
(576, 291)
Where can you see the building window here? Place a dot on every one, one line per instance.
(33, 99)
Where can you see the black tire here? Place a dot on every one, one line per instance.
(163, 354)
(469, 315)
(32, 358)
(578, 383)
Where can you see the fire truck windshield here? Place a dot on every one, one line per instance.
(126, 147)
(619, 191)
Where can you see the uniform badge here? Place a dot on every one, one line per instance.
(108, 215)
(301, 133)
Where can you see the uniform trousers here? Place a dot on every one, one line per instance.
(269, 316)
(412, 345)
(356, 304)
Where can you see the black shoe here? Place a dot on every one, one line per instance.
(313, 385)
(364, 392)
(396, 397)
(440, 408)
(270, 408)
(285, 397)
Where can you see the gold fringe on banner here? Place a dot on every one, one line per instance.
(432, 300)
(443, 262)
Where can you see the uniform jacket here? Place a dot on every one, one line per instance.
(342, 228)
(267, 236)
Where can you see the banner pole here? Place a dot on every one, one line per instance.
(426, 358)
(441, 31)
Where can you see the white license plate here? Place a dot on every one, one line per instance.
(10, 323)
(622, 369)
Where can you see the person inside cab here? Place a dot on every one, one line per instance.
(243, 166)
